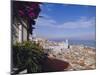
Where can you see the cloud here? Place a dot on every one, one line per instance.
(82, 28)
(45, 16)
(82, 22)
(45, 22)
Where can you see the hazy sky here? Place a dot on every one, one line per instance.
(66, 21)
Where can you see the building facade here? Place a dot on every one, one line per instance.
(23, 20)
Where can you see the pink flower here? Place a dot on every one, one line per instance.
(21, 13)
(31, 15)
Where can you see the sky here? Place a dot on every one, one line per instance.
(66, 21)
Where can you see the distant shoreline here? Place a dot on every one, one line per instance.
(86, 43)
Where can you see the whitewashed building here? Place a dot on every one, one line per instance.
(60, 47)
(20, 31)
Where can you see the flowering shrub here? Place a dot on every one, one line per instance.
(26, 9)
